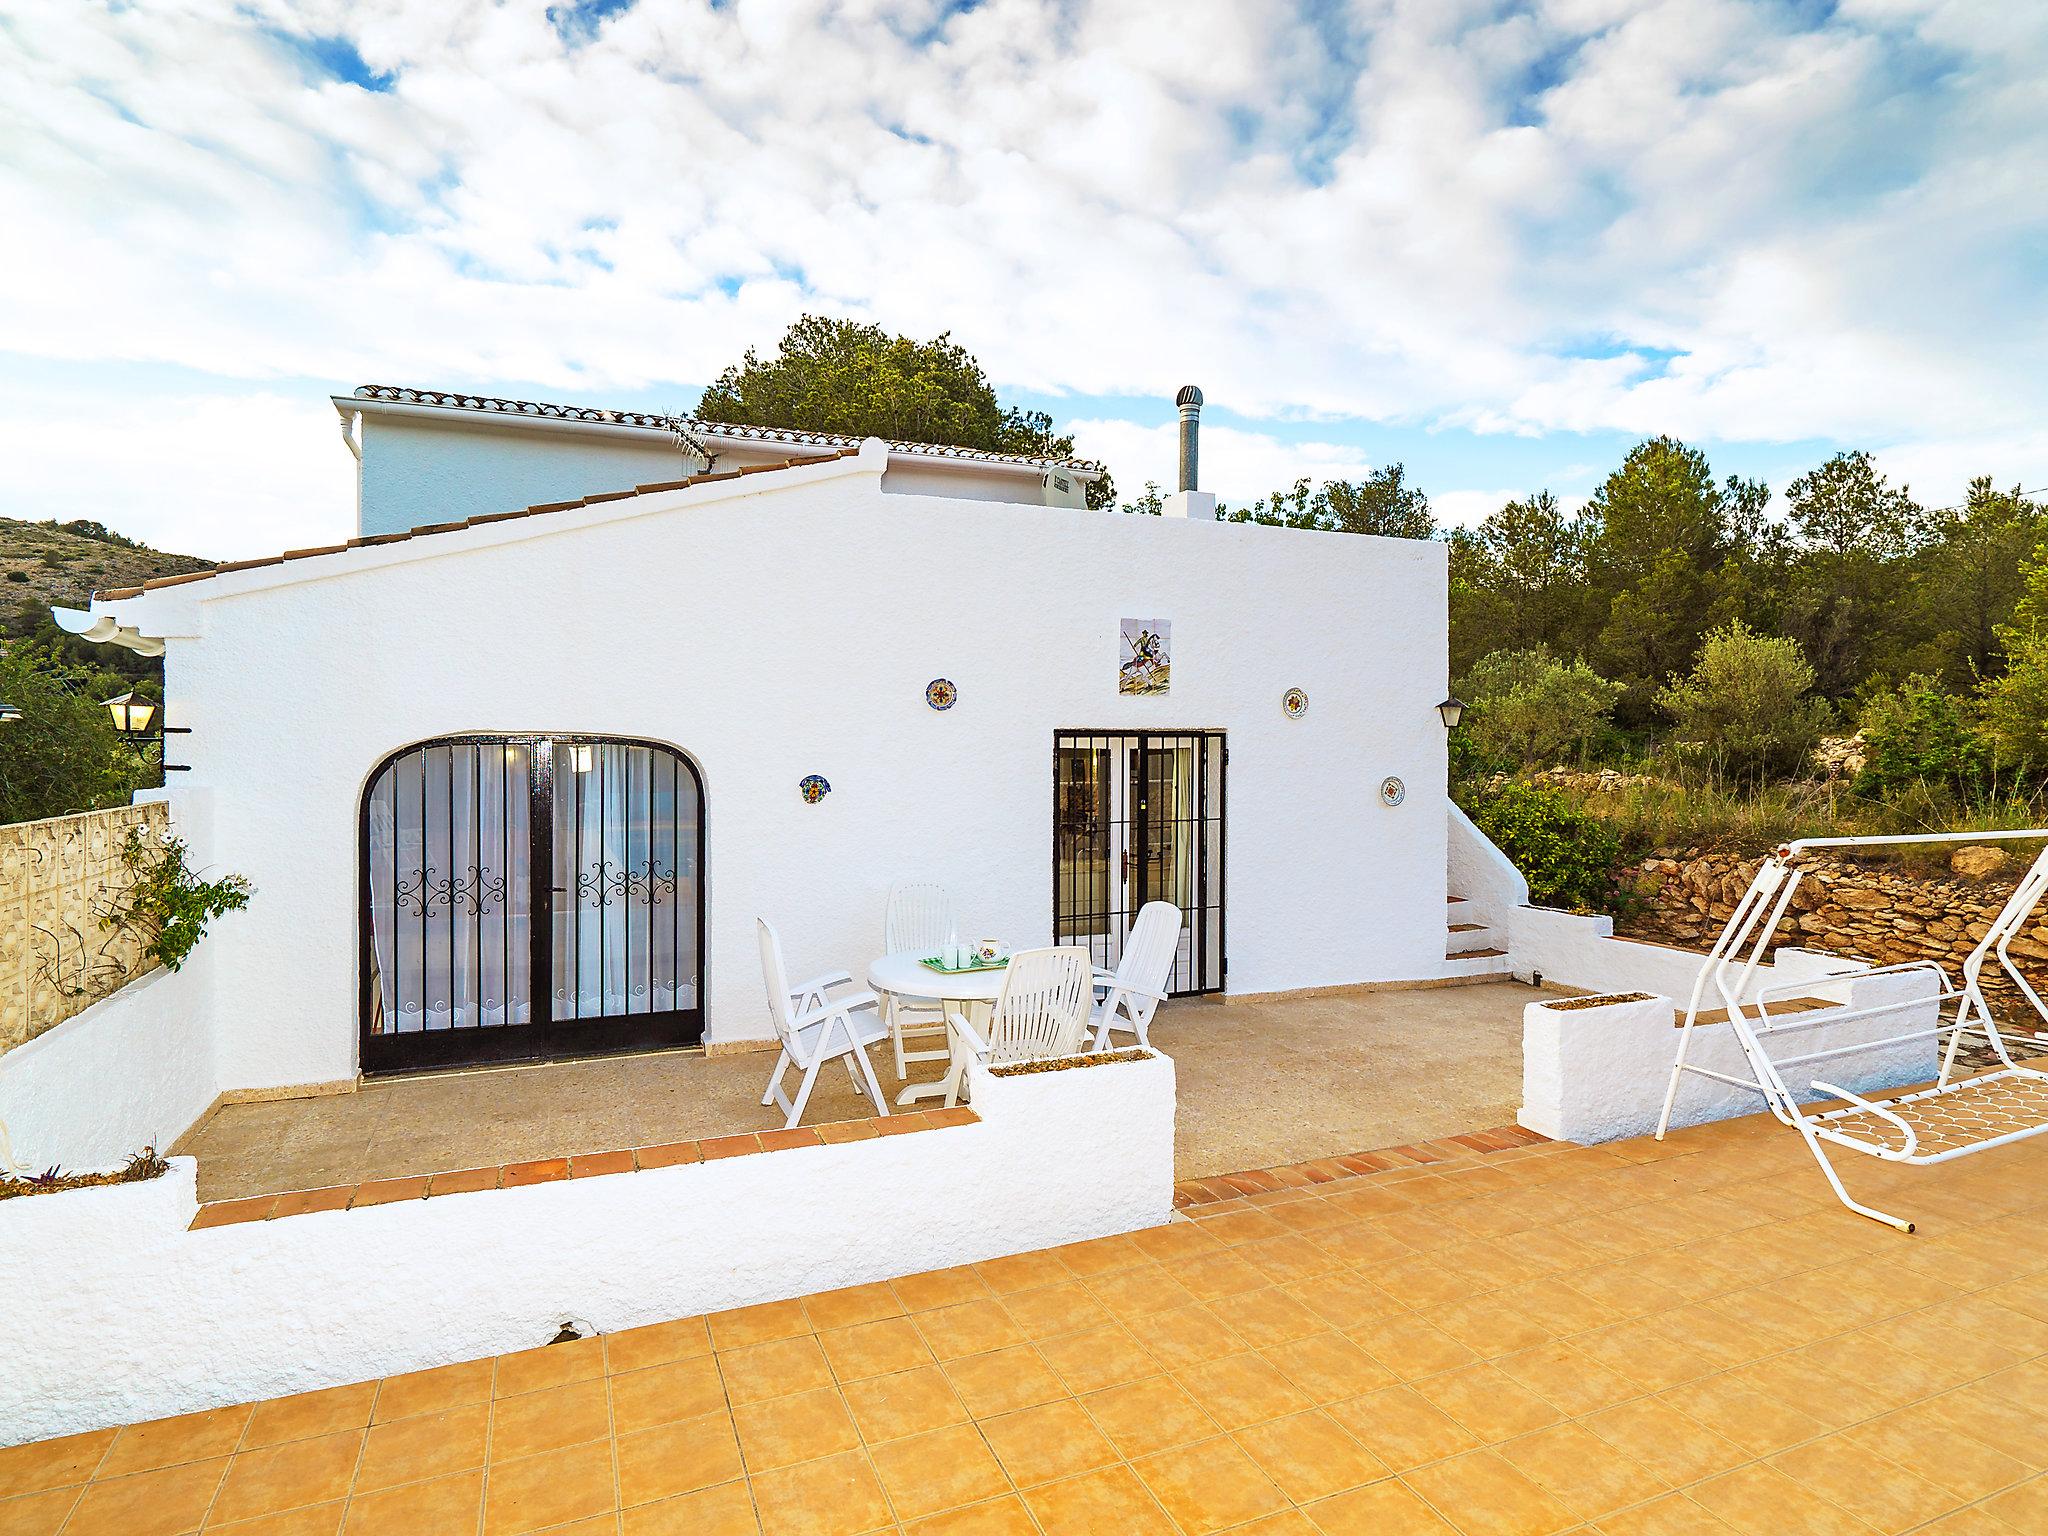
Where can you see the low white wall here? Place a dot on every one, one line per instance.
(126, 1315)
(1599, 1074)
(1478, 871)
(133, 1070)
(1568, 949)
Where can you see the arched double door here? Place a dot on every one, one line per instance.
(527, 897)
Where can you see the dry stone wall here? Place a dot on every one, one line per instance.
(58, 878)
(1877, 912)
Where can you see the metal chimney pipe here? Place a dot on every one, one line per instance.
(1190, 402)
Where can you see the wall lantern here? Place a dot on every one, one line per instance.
(1451, 711)
(134, 717)
(8, 713)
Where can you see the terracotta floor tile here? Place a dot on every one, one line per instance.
(661, 1394)
(874, 1349)
(1023, 1272)
(557, 1486)
(1581, 1471)
(2024, 1508)
(551, 1365)
(1004, 1381)
(431, 1391)
(1209, 1486)
(1570, 1381)
(421, 1446)
(1050, 1310)
(1101, 1357)
(1189, 1336)
(1874, 1488)
(784, 1430)
(1919, 1438)
(306, 1414)
(1135, 1293)
(938, 1470)
(1761, 1498)
(852, 1306)
(310, 1520)
(1005, 1516)
(1154, 1414)
(37, 1514)
(1676, 1448)
(165, 1502)
(1328, 1367)
(669, 1154)
(758, 1325)
(1488, 1402)
(534, 1422)
(1410, 1347)
(288, 1475)
(941, 1288)
(635, 1349)
(1214, 1276)
(387, 1191)
(1402, 1428)
(970, 1328)
(166, 1442)
(774, 1369)
(904, 1403)
(1108, 1502)
(1269, 1317)
(1036, 1445)
(1242, 1389)
(52, 1463)
(833, 1496)
(443, 1504)
(1101, 1256)
(678, 1458)
(727, 1510)
(1482, 1495)
(1672, 1515)
(1309, 1456)
(1378, 1509)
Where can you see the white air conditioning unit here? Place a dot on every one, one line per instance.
(1063, 488)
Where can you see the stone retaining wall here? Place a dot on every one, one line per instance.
(57, 878)
(1877, 912)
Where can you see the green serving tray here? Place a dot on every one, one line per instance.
(931, 962)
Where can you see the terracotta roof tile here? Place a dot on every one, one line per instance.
(111, 594)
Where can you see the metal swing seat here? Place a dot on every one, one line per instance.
(1951, 1118)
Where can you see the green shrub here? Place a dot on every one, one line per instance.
(1532, 709)
(168, 906)
(1746, 711)
(1919, 733)
(1569, 856)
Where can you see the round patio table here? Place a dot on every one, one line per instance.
(906, 975)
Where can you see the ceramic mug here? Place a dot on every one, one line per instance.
(989, 949)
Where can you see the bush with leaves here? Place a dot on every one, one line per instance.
(1568, 855)
(63, 754)
(1747, 710)
(167, 906)
(1533, 710)
(1920, 733)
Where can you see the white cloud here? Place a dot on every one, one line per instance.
(1714, 218)
(1239, 466)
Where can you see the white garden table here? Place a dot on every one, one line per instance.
(906, 975)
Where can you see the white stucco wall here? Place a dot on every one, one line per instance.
(788, 624)
(128, 1316)
(422, 466)
(134, 1070)
(1599, 1074)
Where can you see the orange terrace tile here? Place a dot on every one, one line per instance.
(784, 1140)
(541, 1171)
(225, 1212)
(590, 1164)
(465, 1181)
(385, 1191)
(306, 1201)
(669, 1154)
(715, 1147)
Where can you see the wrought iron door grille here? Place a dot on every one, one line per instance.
(1138, 817)
(529, 896)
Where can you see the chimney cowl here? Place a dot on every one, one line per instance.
(1189, 395)
(1190, 402)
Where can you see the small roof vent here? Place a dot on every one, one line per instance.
(1189, 395)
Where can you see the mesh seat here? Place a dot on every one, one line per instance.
(1964, 1114)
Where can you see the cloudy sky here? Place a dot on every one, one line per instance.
(1499, 240)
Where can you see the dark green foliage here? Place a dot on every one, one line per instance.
(1568, 855)
(1920, 734)
(831, 375)
(1383, 503)
(63, 754)
(168, 906)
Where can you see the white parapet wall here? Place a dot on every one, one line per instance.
(134, 1070)
(1592, 1074)
(124, 1315)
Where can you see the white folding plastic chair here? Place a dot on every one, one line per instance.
(815, 1027)
(1041, 1012)
(1134, 991)
(918, 920)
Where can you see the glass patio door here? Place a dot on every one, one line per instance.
(529, 896)
(1138, 818)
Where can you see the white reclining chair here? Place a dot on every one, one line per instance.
(918, 920)
(814, 1027)
(1134, 991)
(1041, 1012)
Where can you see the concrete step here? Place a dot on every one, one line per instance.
(1478, 962)
(1467, 938)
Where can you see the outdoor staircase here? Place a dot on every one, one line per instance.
(1469, 947)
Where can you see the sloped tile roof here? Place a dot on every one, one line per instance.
(113, 593)
(693, 426)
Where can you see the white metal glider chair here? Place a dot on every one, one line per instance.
(1133, 992)
(1041, 1012)
(814, 1027)
(918, 920)
(1956, 1116)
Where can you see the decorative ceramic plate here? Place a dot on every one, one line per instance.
(1295, 703)
(813, 788)
(941, 694)
(1393, 791)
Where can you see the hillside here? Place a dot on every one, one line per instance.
(46, 564)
